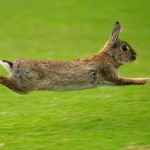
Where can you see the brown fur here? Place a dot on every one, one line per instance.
(28, 75)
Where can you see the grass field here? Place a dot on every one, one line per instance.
(106, 118)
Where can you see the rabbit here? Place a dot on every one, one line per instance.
(27, 75)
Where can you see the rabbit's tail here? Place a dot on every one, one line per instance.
(7, 65)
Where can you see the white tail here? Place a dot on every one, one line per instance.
(7, 65)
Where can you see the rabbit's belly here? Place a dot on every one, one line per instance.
(73, 88)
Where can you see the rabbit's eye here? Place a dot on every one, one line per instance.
(124, 48)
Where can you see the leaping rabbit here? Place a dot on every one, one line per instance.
(27, 75)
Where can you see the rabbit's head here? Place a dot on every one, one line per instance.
(121, 51)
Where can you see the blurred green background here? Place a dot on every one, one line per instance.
(105, 118)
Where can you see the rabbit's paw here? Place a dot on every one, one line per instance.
(144, 80)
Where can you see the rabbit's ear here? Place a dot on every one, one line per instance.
(115, 33)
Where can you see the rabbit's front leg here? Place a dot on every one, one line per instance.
(130, 81)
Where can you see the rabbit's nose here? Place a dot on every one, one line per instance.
(134, 53)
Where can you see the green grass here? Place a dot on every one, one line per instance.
(106, 118)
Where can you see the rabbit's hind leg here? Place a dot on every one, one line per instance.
(5, 81)
(9, 83)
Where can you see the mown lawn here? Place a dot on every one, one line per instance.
(106, 118)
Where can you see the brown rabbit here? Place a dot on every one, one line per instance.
(27, 75)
